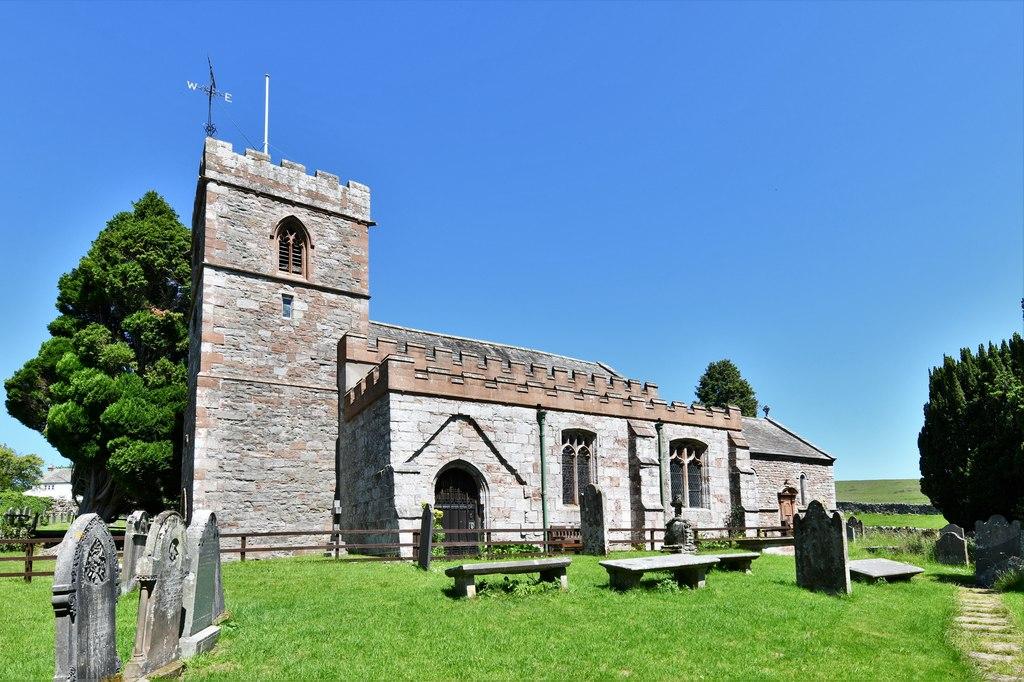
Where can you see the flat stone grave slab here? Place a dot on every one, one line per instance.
(551, 570)
(688, 570)
(872, 570)
(735, 561)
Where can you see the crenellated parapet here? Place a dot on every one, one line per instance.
(437, 372)
(288, 181)
(359, 349)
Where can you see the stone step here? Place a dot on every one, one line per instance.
(1000, 647)
(985, 628)
(990, 658)
(981, 620)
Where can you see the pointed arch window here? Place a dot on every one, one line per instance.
(292, 247)
(688, 473)
(803, 490)
(577, 453)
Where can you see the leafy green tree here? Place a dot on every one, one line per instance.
(723, 385)
(972, 441)
(18, 472)
(107, 389)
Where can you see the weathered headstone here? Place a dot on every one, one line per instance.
(203, 591)
(160, 578)
(679, 535)
(426, 537)
(822, 563)
(593, 528)
(85, 589)
(858, 528)
(951, 547)
(997, 543)
(136, 528)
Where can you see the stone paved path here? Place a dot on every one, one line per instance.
(994, 644)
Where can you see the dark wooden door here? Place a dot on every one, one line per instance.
(787, 507)
(458, 496)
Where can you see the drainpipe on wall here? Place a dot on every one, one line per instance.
(661, 467)
(541, 414)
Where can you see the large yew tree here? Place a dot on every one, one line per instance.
(107, 389)
(722, 385)
(972, 441)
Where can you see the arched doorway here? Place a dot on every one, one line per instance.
(457, 494)
(787, 506)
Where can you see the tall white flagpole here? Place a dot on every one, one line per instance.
(266, 116)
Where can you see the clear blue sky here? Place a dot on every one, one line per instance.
(829, 194)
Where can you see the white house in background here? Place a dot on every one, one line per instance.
(56, 483)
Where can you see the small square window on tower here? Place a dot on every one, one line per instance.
(286, 305)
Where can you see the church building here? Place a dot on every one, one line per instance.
(306, 414)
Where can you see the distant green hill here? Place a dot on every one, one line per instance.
(905, 490)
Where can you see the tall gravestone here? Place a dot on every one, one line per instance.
(203, 590)
(593, 529)
(998, 546)
(160, 578)
(857, 527)
(136, 528)
(426, 547)
(951, 547)
(822, 564)
(85, 590)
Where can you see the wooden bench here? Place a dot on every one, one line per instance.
(737, 561)
(687, 569)
(551, 570)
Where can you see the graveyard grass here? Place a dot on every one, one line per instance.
(309, 617)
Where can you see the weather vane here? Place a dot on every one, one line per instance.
(211, 92)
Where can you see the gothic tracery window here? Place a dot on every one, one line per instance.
(291, 247)
(687, 472)
(577, 450)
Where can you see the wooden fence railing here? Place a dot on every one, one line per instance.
(554, 540)
(31, 556)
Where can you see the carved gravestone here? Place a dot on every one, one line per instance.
(136, 528)
(997, 544)
(822, 564)
(593, 528)
(160, 593)
(951, 547)
(203, 591)
(85, 590)
(679, 535)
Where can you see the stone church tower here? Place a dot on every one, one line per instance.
(280, 273)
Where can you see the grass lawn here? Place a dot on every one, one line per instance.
(1015, 602)
(307, 617)
(905, 490)
(911, 520)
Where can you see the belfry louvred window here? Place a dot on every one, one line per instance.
(687, 473)
(577, 450)
(291, 248)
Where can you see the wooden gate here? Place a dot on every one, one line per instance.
(458, 496)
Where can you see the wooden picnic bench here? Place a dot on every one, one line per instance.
(688, 570)
(551, 570)
(737, 561)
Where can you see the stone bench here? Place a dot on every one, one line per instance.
(758, 544)
(737, 561)
(551, 570)
(687, 569)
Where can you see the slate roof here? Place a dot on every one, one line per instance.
(56, 475)
(769, 437)
(486, 348)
